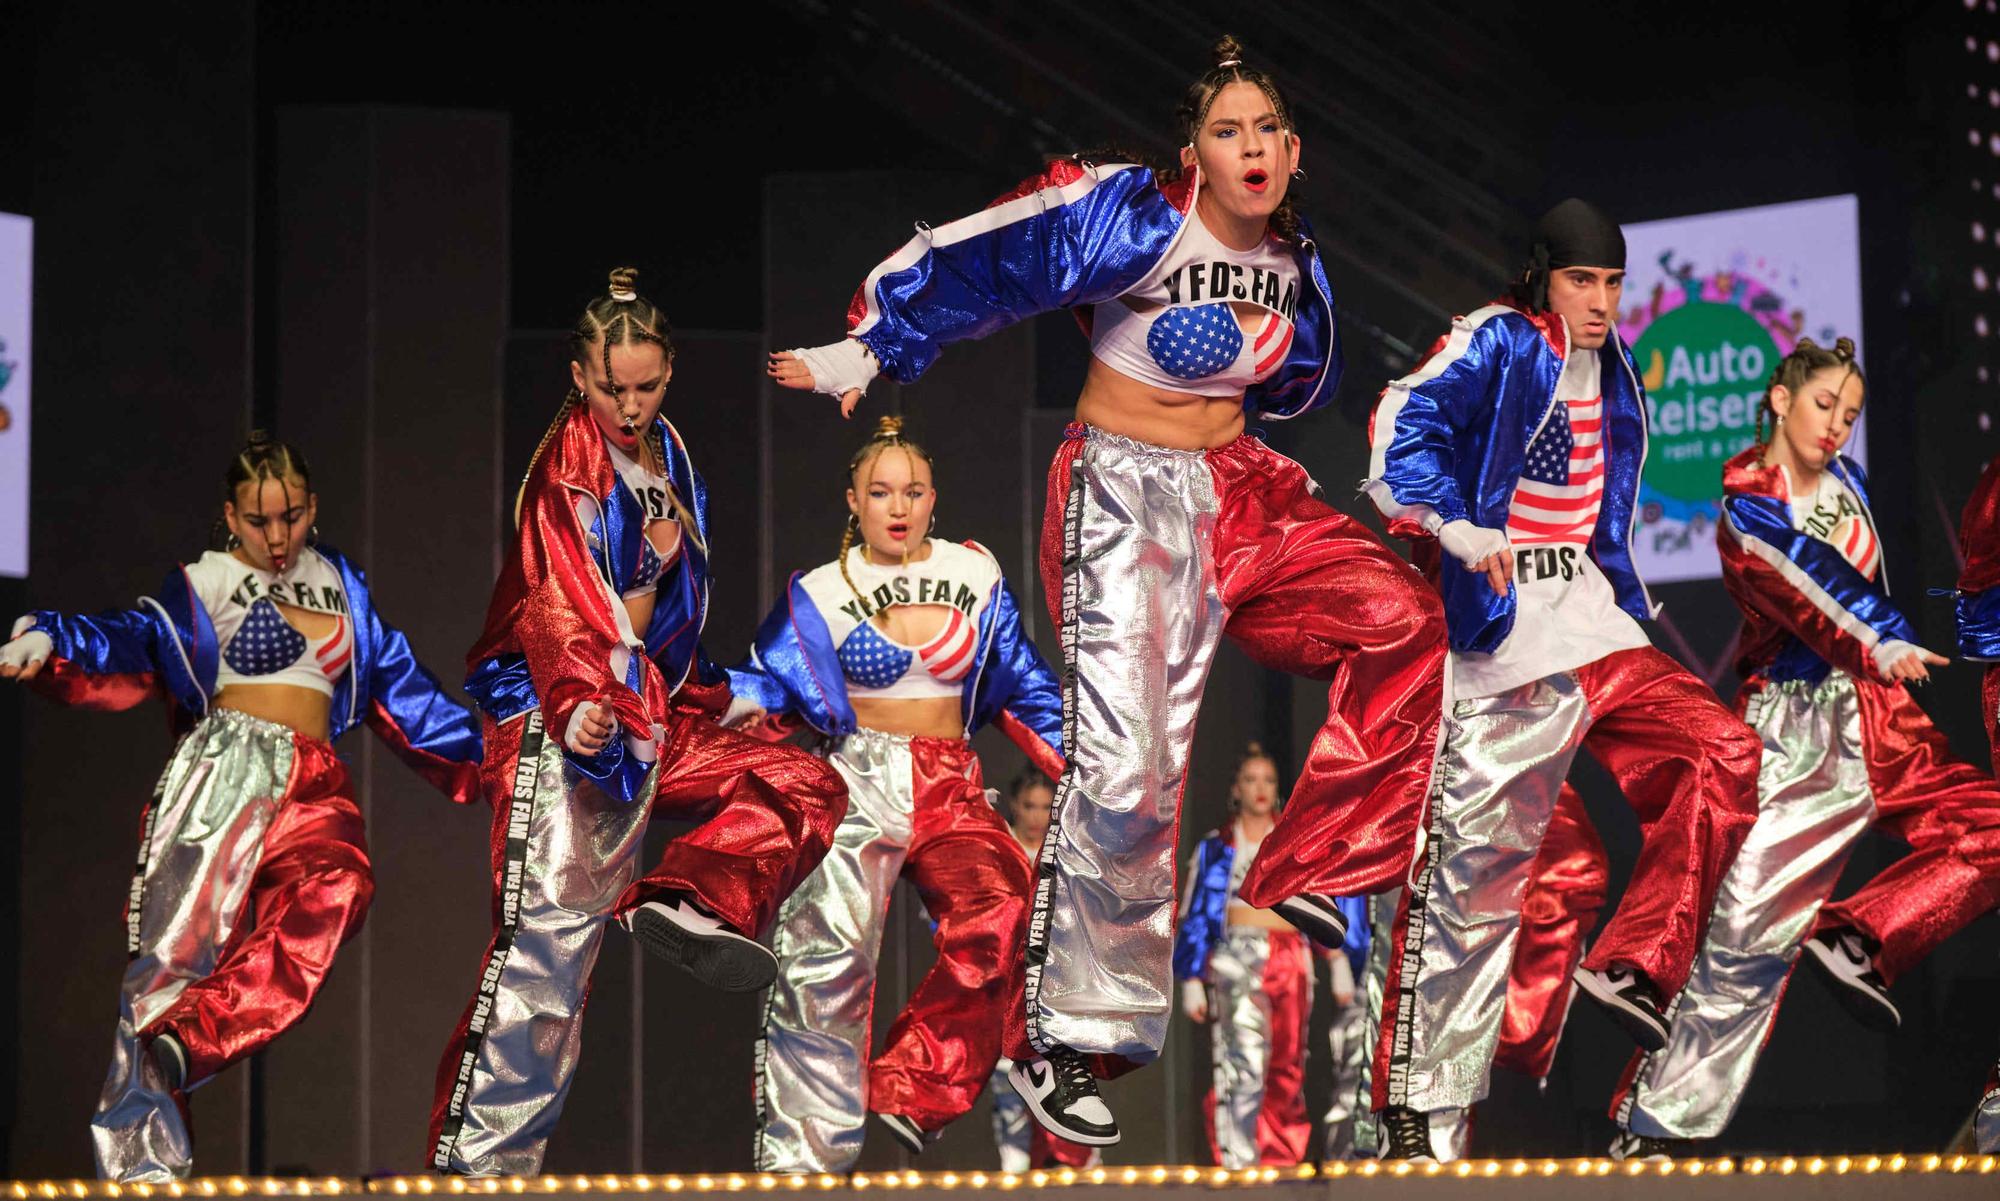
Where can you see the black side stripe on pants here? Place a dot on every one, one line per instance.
(520, 813)
(1045, 868)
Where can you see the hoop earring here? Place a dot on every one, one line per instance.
(231, 542)
(1299, 174)
(312, 535)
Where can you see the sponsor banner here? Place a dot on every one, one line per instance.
(1712, 302)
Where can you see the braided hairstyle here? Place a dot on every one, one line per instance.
(1806, 359)
(620, 317)
(261, 458)
(888, 433)
(1192, 113)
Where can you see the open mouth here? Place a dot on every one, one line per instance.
(898, 529)
(1256, 180)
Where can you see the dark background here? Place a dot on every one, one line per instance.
(359, 224)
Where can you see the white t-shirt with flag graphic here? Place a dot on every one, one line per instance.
(1832, 513)
(1208, 319)
(1567, 613)
(959, 579)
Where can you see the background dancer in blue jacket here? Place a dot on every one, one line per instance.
(1250, 973)
(253, 864)
(1518, 444)
(1169, 526)
(896, 651)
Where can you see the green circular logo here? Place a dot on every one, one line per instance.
(1704, 366)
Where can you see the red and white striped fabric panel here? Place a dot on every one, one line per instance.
(333, 654)
(948, 656)
(1270, 342)
(1544, 512)
(1855, 539)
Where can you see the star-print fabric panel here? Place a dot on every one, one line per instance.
(258, 644)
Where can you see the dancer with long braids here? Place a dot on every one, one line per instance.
(897, 651)
(253, 864)
(600, 712)
(1517, 445)
(1170, 525)
(1827, 658)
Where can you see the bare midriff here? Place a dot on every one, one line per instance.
(1263, 919)
(1118, 404)
(665, 535)
(303, 709)
(922, 717)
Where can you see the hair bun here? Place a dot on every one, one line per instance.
(624, 284)
(258, 438)
(888, 428)
(1255, 750)
(1844, 347)
(1228, 52)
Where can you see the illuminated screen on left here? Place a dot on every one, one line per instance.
(17, 270)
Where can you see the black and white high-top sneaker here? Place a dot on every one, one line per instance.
(907, 1132)
(679, 930)
(1844, 961)
(1406, 1134)
(1647, 1149)
(1060, 1092)
(1316, 916)
(1629, 998)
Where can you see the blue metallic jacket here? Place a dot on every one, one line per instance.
(166, 646)
(793, 670)
(1449, 441)
(1077, 235)
(1205, 909)
(1979, 582)
(1806, 610)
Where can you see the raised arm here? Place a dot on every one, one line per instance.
(113, 659)
(1076, 234)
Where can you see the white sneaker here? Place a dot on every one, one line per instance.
(1061, 1094)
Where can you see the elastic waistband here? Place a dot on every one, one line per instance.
(1083, 431)
(883, 738)
(1836, 681)
(251, 722)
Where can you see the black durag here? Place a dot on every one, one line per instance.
(1575, 233)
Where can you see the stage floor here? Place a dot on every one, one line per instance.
(1833, 1178)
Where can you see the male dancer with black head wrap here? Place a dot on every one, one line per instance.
(1517, 445)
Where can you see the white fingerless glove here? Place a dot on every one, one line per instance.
(1469, 543)
(843, 367)
(27, 647)
(575, 727)
(1887, 652)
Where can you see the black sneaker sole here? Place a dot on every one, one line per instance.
(1642, 1027)
(727, 962)
(1015, 1077)
(1861, 1002)
(905, 1131)
(1328, 930)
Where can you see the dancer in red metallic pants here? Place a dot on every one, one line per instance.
(600, 713)
(895, 652)
(1171, 525)
(253, 866)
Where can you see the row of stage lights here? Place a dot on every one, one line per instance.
(741, 1182)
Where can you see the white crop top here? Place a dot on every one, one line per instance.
(1239, 865)
(656, 500)
(1207, 320)
(258, 645)
(960, 577)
